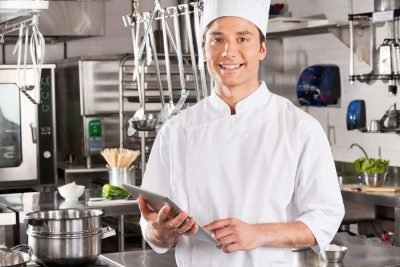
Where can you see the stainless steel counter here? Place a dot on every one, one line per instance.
(351, 192)
(361, 253)
(34, 201)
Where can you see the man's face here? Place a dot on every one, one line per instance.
(233, 52)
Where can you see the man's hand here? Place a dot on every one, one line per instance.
(164, 229)
(234, 235)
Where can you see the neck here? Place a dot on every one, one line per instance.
(232, 95)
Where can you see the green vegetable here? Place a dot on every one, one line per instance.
(371, 165)
(110, 191)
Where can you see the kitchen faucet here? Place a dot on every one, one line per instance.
(360, 147)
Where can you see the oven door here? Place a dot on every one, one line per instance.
(18, 134)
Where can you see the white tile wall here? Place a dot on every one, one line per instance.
(300, 52)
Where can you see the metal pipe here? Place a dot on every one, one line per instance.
(360, 147)
(121, 98)
(351, 71)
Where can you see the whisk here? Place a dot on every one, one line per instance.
(122, 158)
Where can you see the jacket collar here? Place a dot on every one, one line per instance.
(256, 99)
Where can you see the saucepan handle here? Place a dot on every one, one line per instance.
(107, 232)
(23, 248)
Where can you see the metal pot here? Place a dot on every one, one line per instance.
(64, 221)
(66, 237)
(17, 256)
(374, 179)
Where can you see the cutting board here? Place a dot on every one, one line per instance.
(384, 189)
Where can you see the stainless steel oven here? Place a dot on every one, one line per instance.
(27, 133)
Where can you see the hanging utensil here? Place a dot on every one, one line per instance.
(199, 38)
(169, 107)
(191, 48)
(141, 121)
(149, 56)
(18, 49)
(37, 47)
(184, 92)
(139, 114)
(153, 46)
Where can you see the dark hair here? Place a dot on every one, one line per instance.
(260, 33)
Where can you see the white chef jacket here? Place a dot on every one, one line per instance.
(269, 163)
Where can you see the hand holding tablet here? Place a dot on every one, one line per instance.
(157, 201)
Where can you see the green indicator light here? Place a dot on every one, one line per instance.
(45, 108)
(45, 95)
(94, 128)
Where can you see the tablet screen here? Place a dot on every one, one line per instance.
(157, 201)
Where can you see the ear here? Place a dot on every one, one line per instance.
(204, 54)
(263, 50)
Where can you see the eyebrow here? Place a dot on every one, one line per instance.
(215, 33)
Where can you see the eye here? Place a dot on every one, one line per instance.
(217, 40)
(243, 40)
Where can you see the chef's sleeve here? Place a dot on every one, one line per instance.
(156, 178)
(317, 191)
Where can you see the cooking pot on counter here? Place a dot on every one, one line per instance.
(17, 256)
(66, 237)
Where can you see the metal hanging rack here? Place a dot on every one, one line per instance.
(142, 17)
(23, 16)
(144, 52)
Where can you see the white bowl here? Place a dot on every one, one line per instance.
(71, 191)
(71, 204)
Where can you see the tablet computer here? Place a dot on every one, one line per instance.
(157, 201)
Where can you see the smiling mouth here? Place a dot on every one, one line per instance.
(230, 66)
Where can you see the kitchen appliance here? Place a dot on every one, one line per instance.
(66, 237)
(87, 108)
(319, 85)
(27, 133)
(87, 90)
(390, 120)
(356, 115)
(384, 59)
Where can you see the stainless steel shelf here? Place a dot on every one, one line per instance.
(11, 10)
(374, 77)
(304, 27)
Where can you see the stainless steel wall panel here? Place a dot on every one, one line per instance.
(99, 87)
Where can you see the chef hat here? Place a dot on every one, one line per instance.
(255, 11)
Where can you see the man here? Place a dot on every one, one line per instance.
(249, 165)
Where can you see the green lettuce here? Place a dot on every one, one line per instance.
(371, 165)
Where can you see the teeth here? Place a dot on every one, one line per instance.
(230, 67)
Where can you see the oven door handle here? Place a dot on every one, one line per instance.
(34, 133)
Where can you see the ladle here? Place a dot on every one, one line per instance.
(139, 114)
(184, 92)
(169, 107)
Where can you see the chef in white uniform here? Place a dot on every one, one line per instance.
(245, 163)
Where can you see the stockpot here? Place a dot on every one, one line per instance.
(66, 237)
(17, 256)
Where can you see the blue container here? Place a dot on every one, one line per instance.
(356, 115)
(319, 85)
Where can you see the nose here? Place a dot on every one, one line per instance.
(230, 49)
